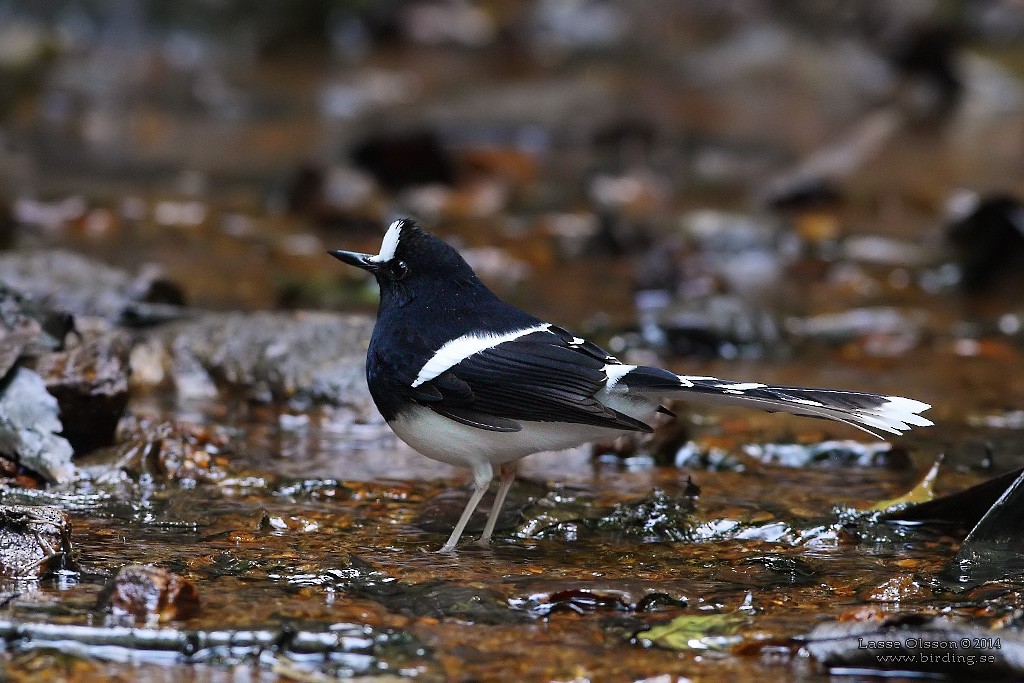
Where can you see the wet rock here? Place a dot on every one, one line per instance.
(14, 475)
(767, 571)
(658, 447)
(572, 233)
(993, 548)
(1009, 419)
(923, 643)
(744, 529)
(314, 489)
(716, 277)
(173, 450)
(441, 599)
(90, 383)
(559, 514)
(33, 540)
(341, 650)
(722, 234)
(988, 234)
(899, 588)
(53, 216)
(628, 139)
(27, 430)
(831, 454)
(335, 198)
(18, 342)
(455, 23)
(719, 326)
(926, 55)
(592, 24)
(402, 160)
(834, 163)
(661, 517)
(30, 52)
(30, 427)
(803, 194)
(885, 251)
(29, 328)
(496, 267)
(884, 330)
(292, 524)
(437, 599)
(303, 357)
(148, 595)
(582, 599)
(8, 226)
(66, 281)
(577, 600)
(693, 456)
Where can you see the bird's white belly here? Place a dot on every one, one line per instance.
(448, 441)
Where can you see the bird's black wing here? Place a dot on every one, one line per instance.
(544, 376)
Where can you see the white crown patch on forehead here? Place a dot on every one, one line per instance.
(390, 243)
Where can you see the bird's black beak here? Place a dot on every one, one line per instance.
(358, 260)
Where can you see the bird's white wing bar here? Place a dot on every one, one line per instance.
(616, 372)
(741, 387)
(461, 348)
(688, 380)
(389, 245)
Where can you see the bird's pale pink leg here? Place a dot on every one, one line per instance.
(508, 475)
(482, 477)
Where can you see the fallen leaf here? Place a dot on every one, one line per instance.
(922, 493)
(696, 632)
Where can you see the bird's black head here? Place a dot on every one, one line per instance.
(412, 260)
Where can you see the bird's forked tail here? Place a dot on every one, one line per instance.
(865, 411)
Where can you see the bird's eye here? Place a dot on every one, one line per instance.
(399, 269)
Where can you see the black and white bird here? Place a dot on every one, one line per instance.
(469, 380)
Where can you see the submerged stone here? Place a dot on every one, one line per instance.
(436, 599)
(441, 599)
(150, 595)
(780, 570)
